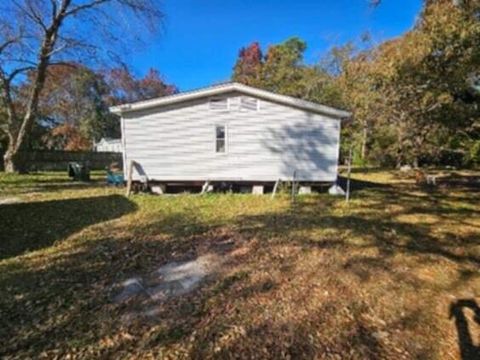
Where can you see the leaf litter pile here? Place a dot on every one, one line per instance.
(87, 273)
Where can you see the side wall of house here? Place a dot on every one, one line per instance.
(177, 143)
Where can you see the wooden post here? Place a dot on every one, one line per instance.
(129, 179)
(294, 186)
(205, 187)
(275, 188)
(347, 193)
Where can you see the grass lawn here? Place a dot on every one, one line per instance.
(393, 274)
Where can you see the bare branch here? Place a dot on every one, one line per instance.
(64, 63)
(36, 15)
(54, 8)
(7, 44)
(18, 71)
(22, 61)
(32, 14)
(57, 50)
(90, 5)
(6, 97)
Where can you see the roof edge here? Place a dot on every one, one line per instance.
(227, 87)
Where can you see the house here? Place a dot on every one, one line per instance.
(109, 145)
(230, 133)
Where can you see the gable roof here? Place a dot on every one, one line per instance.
(226, 88)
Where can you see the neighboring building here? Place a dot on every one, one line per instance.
(230, 133)
(109, 145)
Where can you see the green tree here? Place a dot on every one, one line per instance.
(415, 96)
(282, 70)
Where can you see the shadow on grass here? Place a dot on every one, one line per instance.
(356, 185)
(66, 302)
(52, 187)
(73, 311)
(468, 350)
(389, 237)
(31, 226)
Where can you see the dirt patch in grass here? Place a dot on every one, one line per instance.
(394, 274)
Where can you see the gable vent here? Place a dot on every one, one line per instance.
(248, 103)
(218, 104)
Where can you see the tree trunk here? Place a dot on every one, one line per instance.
(399, 160)
(363, 152)
(14, 162)
(419, 141)
(400, 155)
(415, 162)
(8, 164)
(13, 159)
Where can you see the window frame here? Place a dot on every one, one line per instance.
(216, 139)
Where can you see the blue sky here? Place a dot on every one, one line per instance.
(201, 38)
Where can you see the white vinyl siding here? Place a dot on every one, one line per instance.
(178, 142)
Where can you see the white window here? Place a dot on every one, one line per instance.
(220, 138)
(219, 104)
(248, 103)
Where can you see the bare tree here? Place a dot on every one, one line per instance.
(38, 34)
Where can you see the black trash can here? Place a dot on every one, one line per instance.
(78, 171)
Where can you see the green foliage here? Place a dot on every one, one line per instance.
(473, 156)
(419, 87)
(357, 159)
(282, 70)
